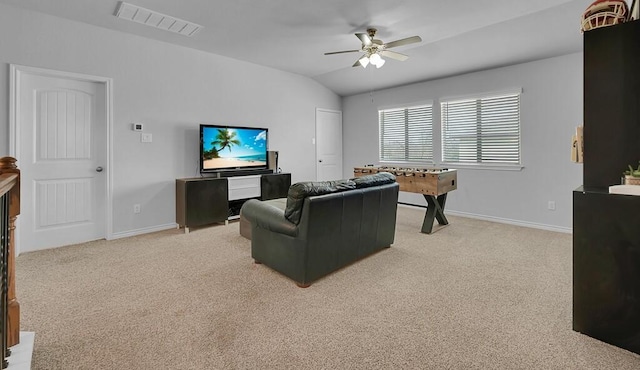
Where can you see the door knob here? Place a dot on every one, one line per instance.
(99, 169)
(320, 160)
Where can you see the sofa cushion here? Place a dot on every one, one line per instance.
(299, 191)
(379, 178)
(245, 225)
(280, 203)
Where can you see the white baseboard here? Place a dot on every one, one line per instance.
(145, 230)
(22, 352)
(533, 225)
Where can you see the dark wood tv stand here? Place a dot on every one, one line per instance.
(207, 200)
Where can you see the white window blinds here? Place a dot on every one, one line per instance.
(481, 130)
(406, 134)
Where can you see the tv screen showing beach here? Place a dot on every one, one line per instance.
(233, 147)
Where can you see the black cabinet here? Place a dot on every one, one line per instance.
(606, 227)
(207, 200)
(611, 103)
(274, 186)
(201, 201)
(606, 267)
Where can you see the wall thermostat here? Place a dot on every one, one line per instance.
(137, 126)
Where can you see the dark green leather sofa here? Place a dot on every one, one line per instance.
(325, 226)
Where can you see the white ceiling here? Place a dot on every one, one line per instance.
(458, 36)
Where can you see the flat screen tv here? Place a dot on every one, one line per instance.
(232, 148)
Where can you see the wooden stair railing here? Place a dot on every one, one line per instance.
(9, 210)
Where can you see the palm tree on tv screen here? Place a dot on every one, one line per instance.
(210, 154)
(225, 139)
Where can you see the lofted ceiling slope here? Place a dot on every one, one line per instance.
(292, 35)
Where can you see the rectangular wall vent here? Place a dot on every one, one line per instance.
(154, 19)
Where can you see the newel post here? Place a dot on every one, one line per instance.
(8, 165)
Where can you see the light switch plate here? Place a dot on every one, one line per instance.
(146, 138)
(136, 126)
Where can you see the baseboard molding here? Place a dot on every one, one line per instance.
(566, 230)
(22, 352)
(146, 230)
(533, 225)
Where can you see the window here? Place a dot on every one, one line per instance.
(482, 130)
(406, 134)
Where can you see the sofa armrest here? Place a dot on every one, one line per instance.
(268, 217)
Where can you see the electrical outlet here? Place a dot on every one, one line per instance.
(146, 138)
(136, 208)
(551, 206)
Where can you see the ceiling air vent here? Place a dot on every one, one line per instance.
(154, 19)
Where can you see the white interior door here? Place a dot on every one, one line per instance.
(62, 154)
(328, 144)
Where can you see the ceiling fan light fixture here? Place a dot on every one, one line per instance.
(364, 61)
(376, 60)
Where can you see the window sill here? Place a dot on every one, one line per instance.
(483, 166)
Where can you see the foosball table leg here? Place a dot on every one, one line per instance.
(435, 210)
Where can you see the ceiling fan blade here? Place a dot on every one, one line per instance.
(357, 63)
(408, 40)
(366, 40)
(394, 55)
(342, 52)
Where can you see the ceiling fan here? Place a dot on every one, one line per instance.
(374, 49)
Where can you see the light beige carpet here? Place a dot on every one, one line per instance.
(474, 295)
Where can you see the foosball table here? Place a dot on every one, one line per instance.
(434, 184)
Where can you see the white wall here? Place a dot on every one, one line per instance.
(171, 90)
(551, 107)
